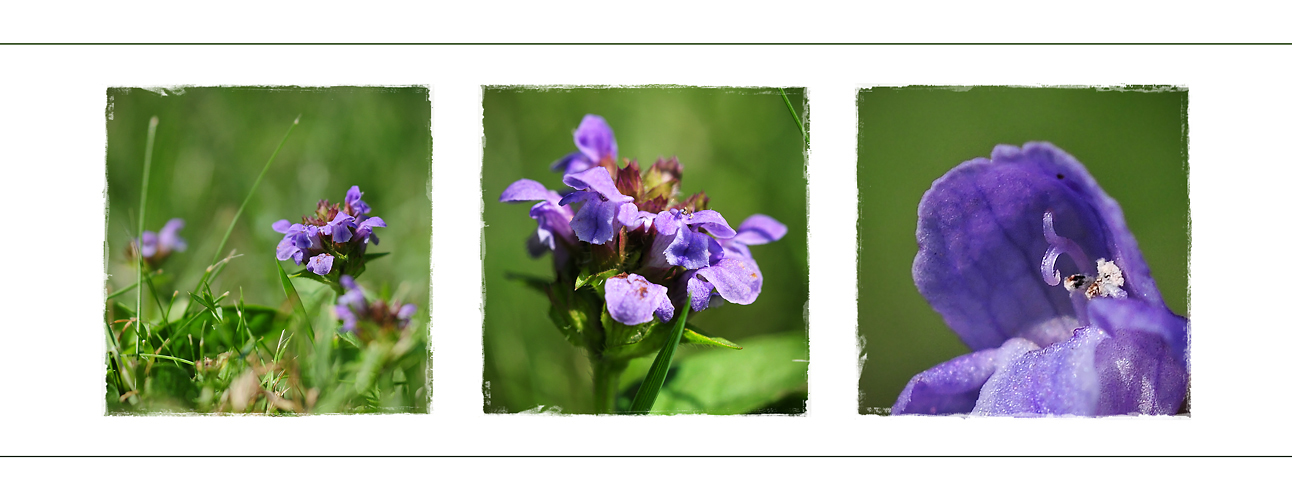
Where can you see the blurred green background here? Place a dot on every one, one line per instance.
(1132, 142)
(211, 144)
(740, 146)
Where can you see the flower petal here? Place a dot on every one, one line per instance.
(760, 229)
(737, 279)
(1119, 317)
(688, 249)
(282, 226)
(595, 139)
(949, 388)
(594, 222)
(711, 221)
(1138, 373)
(596, 180)
(632, 300)
(980, 234)
(1061, 379)
(572, 163)
(524, 190)
(320, 264)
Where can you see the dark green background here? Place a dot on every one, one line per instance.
(211, 144)
(1132, 142)
(740, 146)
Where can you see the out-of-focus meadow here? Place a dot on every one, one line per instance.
(1132, 142)
(742, 148)
(211, 144)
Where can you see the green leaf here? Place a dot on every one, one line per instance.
(369, 257)
(295, 299)
(694, 335)
(649, 391)
(770, 369)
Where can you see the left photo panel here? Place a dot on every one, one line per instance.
(267, 250)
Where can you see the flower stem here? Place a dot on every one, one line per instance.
(143, 210)
(605, 383)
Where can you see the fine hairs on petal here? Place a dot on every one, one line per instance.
(1059, 246)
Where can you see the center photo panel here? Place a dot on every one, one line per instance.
(645, 250)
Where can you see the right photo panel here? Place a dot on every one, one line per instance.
(1024, 251)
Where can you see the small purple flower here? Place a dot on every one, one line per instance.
(679, 242)
(632, 300)
(348, 230)
(1104, 343)
(553, 219)
(595, 140)
(734, 276)
(604, 208)
(353, 309)
(156, 247)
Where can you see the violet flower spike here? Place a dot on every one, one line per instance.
(735, 277)
(595, 140)
(155, 247)
(1104, 343)
(350, 305)
(632, 300)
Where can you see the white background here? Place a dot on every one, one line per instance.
(52, 139)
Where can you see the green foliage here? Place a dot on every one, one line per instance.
(769, 374)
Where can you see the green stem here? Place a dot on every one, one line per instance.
(797, 121)
(143, 209)
(207, 275)
(605, 384)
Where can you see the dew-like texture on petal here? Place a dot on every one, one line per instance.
(1126, 316)
(981, 241)
(524, 190)
(759, 229)
(1139, 374)
(1061, 379)
(737, 279)
(595, 139)
(949, 388)
(632, 300)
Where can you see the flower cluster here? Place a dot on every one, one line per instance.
(636, 242)
(370, 320)
(156, 247)
(332, 240)
(1104, 343)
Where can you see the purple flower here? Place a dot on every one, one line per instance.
(348, 229)
(155, 247)
(354, 311)
(604, 208)
(679, 242)
(595, 140)
(553, 219)
(991, 235)
(632, 300)
(734, 276)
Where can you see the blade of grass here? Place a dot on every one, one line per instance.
(143, 207)
(118, 293)
(795, 115)
(645, 397)
(295, 299)
(220, 249)
(172, 358)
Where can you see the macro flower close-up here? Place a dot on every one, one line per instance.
(1033, 266)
